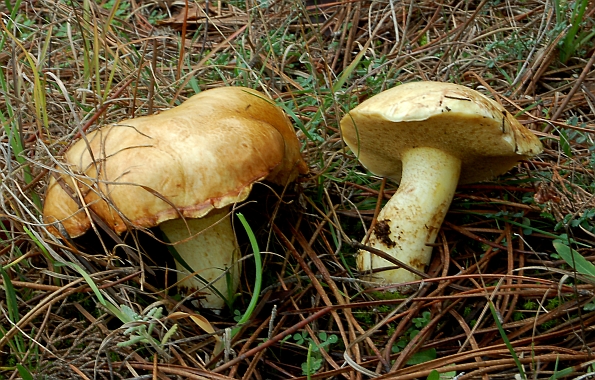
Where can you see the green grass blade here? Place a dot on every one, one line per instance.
(88, 279)
(11, 299)
(348, 70)
(39, 245)
(13, 308)
(257, 281)
(13, 8)
(309, 362)
(507, 341)
(24, 372)
(570, 44)
(563, 373)
(297, 121)
(39, 98)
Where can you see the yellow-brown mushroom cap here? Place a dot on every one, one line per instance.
(480, 132)
(201, 155)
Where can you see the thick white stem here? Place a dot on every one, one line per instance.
(411, 219)
(211, 252)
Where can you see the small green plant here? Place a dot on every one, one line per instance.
(584, 221)
(530, 305)
(510, 49)
(518, 316)
(237, 315)
(18, 344)
(385, 308)
(545, 326)
(422, 356)
(314, 358)
(410, 333)
(552, 303)
(364, 316)
(577, 33)
(421, 322)
(140, 328)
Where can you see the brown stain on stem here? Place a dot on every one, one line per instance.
(382, 232)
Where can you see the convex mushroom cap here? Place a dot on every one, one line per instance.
(453, 118)
(428, 136)
(191, 161)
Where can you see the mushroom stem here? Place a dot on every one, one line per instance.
(212, 251)
(411, 219)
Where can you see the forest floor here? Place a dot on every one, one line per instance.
(511, 284)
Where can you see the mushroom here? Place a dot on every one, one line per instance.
(181, 170)
(429, 137)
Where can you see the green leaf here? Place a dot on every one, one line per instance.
(574, 259)
(422, 356)
(129, 314)
(169, 334)
(299, 339)
(448, 375)
(434, 375)
(24, 372)
(565, 143)
(322, 336)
